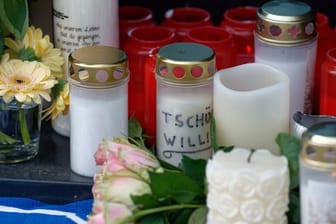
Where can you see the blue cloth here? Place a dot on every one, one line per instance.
(15, 210)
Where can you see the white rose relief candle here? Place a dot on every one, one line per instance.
(184, 74)
(247, 186)
(98, 92)
(318, 174)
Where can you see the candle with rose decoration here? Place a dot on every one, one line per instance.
(247, 186)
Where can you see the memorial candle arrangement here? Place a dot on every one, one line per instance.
(318, 174)
(251, 106)
(247, 186)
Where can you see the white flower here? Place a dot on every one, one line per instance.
(252, 211)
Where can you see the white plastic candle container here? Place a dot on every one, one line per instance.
(318, 174)
(285, 38)
(82, 23)
(251, 106)
(98, 92)
(184, 74)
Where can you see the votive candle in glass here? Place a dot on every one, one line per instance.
(184, 74)
(182, 19)
(220, 40)
(98, 92)
(318, 174)
(328, 84)
(241, 22)
(131, 16)
(251, 106)
(138, 47)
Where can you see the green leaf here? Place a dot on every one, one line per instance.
(294, 208)
(198, 216)
(14, 17)
(175, 186)
(183, 216)
(290, 148)
(135, 133)
(145, 201)
(6, 139)
(195, 169)
(58, 88)
(157, 218)
(28, 54)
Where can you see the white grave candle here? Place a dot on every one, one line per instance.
(246, 187)
(251, 106)
(318, 174)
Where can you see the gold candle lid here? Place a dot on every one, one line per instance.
(98, 67)
(319, 146)
(185, 63)
(286, 22)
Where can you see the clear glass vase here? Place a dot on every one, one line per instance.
(19, 131)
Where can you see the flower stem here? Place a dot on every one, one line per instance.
(23, 126)
(163, 209)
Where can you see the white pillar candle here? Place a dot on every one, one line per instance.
(245, 187)
(251, 106)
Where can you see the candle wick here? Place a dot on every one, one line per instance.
(250, 156)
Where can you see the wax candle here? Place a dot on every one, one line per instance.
(184, 74)
(318, 174)
(182, 19)
(251, 106)
(98, 92)
(285, 38)
(81, 23)
(241, 22)
(247, 186)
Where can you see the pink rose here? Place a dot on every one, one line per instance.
(126, 155)
(119, 186)
(109, 212)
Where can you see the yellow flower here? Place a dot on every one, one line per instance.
(25, 81)
(36, 47)
(60, 105)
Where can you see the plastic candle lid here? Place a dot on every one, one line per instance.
(98, 67)
(319, 146)
(286, 22)
(185, 63)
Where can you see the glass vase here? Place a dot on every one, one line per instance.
(19, 131)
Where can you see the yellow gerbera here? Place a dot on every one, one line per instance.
(36, 47)
(25, 81)
(60, 105)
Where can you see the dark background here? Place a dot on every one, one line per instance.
(41, 16)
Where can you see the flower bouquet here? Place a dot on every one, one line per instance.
(133, 186)
(31, 73)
